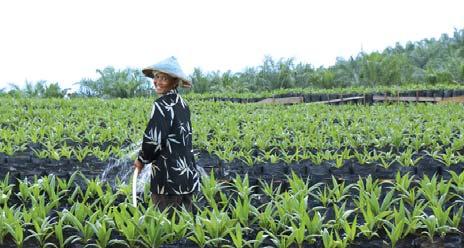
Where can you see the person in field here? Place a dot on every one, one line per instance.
(167, 140)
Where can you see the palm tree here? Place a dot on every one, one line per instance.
(458, 44)
(200, 81)
(348, 70)
(116, 83)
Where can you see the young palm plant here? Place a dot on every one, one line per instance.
(60, 237)
(154, 228)
(43, 229)
(16, 230)
(216, 224)
(236, 236)
(5, 190)
(211, 189)
(328, 240)
(396, 230)
(85, 231)
(102, 228)
(242, 209)
(126, 223)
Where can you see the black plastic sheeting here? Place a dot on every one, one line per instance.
(351, 170)
(26, 165)
(368, 98)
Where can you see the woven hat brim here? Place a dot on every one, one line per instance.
(149, 73)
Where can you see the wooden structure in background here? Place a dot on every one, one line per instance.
(294, 100)
(456, 99)
(343, 100)
(285, 100)
(377, 98)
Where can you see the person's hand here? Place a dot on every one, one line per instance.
(138, 164)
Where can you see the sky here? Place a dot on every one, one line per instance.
(65, 41)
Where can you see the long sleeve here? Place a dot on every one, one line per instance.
(167, 145)
(156, 133)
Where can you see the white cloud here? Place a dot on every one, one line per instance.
(66, 41)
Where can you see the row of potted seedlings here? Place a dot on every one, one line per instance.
(247, 132)
(54, 212)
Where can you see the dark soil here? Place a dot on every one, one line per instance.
(26, 165)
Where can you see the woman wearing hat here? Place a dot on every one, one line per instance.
(167, 140)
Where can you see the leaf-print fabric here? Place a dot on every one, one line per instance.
(167, 144)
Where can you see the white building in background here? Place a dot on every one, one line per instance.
(68, 92)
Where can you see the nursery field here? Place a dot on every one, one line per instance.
(305, 175)
(314, 95)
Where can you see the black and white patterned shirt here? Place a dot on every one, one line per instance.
(167, 144)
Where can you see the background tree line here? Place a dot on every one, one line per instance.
(38, 89)
(428, 61)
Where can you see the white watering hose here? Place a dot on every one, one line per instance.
(134, 186)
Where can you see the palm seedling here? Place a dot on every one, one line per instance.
(65, 151)
(7, 215)
(242, 210)
(449, 157)
(435, 192)
(432, 227)
(62, 241)
(406, 158)
(5, 190)
(455, 219)
(402, 185)
(42, 229)
(396, 230)
(213, 189)
(102, 228)
(350, 230)
(65, 185)
(341, 215)
(386, 159)
(126, 223)
(282, 240)
(180, 224)
(78, 222)
(373, 212)
(412, 219)
(80, 153)
(236, 236)
(102, 155)
(16, 230)
(328, 240)
(198, 235)
(154, 228)
(306, 228)
(217, 225)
